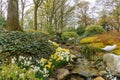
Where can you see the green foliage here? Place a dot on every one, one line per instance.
(93, 30)
(2, 22)
(10, 72)
(69, 35)
(13, 72)
(89, 51)
(81, 30)
(26, 43)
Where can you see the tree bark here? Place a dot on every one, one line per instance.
(35, 17)
(23, 2)
(13, 16)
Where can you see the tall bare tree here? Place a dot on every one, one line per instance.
(83, 13)
(37, 4)
(13, 16)
(23, 5)
(55, 14)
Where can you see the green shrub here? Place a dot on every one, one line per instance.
(81, 30)
(69, 35)
(26, 43)
(89, 51)
(93, 30)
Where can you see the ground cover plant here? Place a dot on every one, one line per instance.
(17, 43)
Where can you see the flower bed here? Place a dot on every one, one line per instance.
(28, 69)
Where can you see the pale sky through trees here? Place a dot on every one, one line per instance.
(91, 1)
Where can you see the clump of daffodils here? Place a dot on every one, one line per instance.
(56, 45)
(61, 57)
(61, 54)
(44, 68)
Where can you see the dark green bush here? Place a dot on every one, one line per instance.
(93, 30)
(26, 43)
(80, 30)
(67, 35)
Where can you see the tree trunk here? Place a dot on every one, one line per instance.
(22, 20)
(23, 8)
(13, 16)
(62, 17)
(35, 17)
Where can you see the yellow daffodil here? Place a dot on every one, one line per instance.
(49, 64)
(55, 44)
(43, 60)
(54, 56)
(62, 50)
(59, 58)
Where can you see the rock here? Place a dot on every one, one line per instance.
(73, 58)
(83, 68)
(99, 78)
(112, 61)
(61, 73)
(101, 73)
(51, 79)
(84, 71)
(73, 77)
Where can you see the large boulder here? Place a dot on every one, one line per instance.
(112, 61)
(99, 78)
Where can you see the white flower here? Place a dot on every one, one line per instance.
(21, 75)
(36, 68)
(28, 63)
(13, 61)
(45, 71)
(30, 58)
(21, 57)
